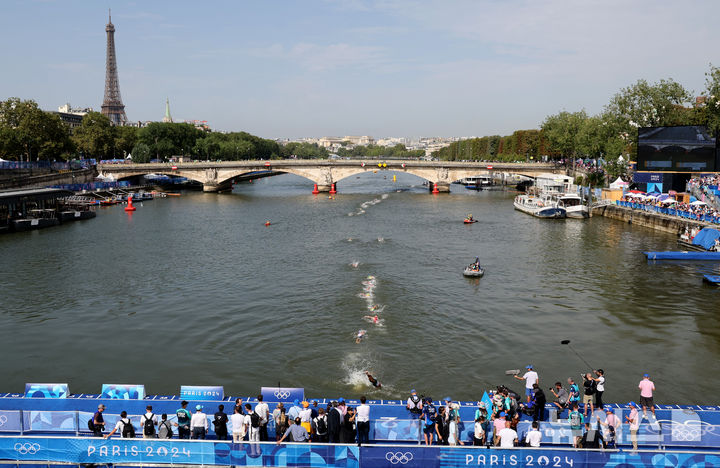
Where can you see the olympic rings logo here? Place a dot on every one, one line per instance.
(27, 448)
(282, 394)
(398, 457)
(3, 419)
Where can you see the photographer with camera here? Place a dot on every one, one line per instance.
(561, 397)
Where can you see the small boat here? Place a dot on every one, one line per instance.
(705, 240)
(573, 204)
(712, 279)
(683, 255)
(470, 221)
(472, 273)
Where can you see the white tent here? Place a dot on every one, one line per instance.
(618, 184)
(698, 202)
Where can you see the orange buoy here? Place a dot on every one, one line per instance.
(333, 190)
(435, 189)
(267, 223)
(315, 190)
(130, 206)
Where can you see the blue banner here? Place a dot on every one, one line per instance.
(10, 421)
(648, 177)
(123, 392)
(155, 451)
(194, 392)
(46, 390)
(282, 394)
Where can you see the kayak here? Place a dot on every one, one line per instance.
(473, 273)
(470, 221)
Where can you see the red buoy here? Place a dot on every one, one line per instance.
(130, 206)
(333, 190)
(315, 190)
(435, 189)
(267, 223)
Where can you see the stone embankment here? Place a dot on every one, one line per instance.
(652, 220)
(82, 176)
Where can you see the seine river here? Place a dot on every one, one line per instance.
(197, 290)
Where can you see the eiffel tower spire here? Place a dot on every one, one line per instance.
(112, 105)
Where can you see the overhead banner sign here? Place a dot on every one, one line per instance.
(123, 392)
(647, 177)
(282, 394)
(46, 390)
(194, 392)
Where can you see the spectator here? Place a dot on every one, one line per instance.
(348, 431)
(220, 421)
(363, 421)
(252, 422)
(164, 428)
(238, 425)
(320, 426)
(588, 393)
(414, 404)
(647, 387)
(334, 420)
(633, 419)
(297, 432)
(592, 439)
(282, 422)
(530, 377)
(306, 416)
(573, 392)
(294, 410)
(576, 421)
(238, 405)
(499, 425)
(148, 421)
(314, 409)
(507, 437)
(183, 420)
(539, 401)
(429, 413)
(263, 411)
(611, 424)
(98, 422)
(198, 424)
(441, 426)
(121, 425)
(534, 437)
(479, 432)
(599, 388)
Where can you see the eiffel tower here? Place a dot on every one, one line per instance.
(112, 105)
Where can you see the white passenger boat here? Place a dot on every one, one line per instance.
(541, 207)
(573, 204)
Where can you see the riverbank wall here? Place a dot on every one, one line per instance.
(652, 220)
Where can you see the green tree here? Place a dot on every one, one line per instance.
(95, 137)
(125, 139)
(647, 105)
(561, 131)
(27, 132)
(711, 108)
(141, 153)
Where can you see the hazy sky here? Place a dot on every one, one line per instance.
(355, 67)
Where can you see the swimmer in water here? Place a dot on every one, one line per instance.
(374, 318)
(373, 380)
(355, 264)
(360, 336)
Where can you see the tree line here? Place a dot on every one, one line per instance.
(28, 133)
(609, 134)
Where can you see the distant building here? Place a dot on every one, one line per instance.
(72, 116)
(167, 118)
(199, 124)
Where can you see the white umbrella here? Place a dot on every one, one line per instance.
(698, 202)
(668, 201)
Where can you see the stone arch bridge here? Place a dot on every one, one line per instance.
(216, 176)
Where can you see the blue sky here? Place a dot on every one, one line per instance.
(355, 67)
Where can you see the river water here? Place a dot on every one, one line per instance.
(196, 290)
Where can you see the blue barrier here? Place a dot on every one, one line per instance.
(46, 390)
(155, 452)
(200, 392)
(123, 392)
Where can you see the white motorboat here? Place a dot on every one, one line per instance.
(539, 206)
(472, 273)
(573, 204)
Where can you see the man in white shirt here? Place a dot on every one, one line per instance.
(198, 424)
(530, 377)
(253, 432)
(507, 436)
(148, 421)
(534, 437)
(363, 421)
(263, 411)
(237, 420)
